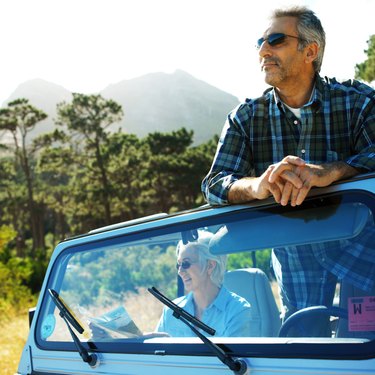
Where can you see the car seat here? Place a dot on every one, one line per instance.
(253, 285)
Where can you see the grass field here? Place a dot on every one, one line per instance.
(13, 335)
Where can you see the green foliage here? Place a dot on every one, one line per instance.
(7, 234)
(89, 115)
(20, 116)
(98, 275)
(175, 170)
(244, 260)
(366, 70)
(14, 274)
(83, 176)
(18, 119)
(175, 142)
(14, 294)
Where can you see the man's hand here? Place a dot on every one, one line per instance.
(284, 175)
(249, 188)
(290, 180)
(290, 169)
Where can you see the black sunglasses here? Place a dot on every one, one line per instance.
(275, 39)
(185, 264)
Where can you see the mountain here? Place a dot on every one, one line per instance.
(42, 95)
(165, 102)
(153, 102)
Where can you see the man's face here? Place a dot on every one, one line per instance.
(282, 63)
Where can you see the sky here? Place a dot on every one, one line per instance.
(86, 45)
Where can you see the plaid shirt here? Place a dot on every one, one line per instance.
(338, 123)
(307, 274)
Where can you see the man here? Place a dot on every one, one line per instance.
(304, 132)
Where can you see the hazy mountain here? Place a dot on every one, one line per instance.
(165, 102)
(42, 95)
(153, 102)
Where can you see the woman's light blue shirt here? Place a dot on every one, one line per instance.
(229, 314)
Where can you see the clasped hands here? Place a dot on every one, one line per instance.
(290, 180)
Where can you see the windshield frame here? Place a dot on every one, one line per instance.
(269, 347)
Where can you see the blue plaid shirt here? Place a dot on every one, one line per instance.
(338, 123)
(307, 274)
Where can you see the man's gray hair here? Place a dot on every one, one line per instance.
(309, 29)
(204, 255)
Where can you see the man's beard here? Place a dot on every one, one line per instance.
(275, 74)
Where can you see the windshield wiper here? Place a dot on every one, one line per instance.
(69, 319)
(238, 366)
(178, 312)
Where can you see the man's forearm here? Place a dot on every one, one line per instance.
(244, 190)
(327, 173)
(249, 188)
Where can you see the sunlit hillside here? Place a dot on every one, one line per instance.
(153, 102)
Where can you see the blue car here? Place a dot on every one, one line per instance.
(105, 293)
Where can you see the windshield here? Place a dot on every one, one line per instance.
(247, 273)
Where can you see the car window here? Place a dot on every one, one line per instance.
(107, 285)
(105, 278)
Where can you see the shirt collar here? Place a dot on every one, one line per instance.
(319, 91)
(315, 100)
(219, 302)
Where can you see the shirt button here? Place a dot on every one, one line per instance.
(295, 122)
(303, 151)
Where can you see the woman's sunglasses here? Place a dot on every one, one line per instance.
(275, 39)
(185, 264)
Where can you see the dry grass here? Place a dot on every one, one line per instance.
(145, 309)
(13, 335)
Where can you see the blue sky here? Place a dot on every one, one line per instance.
(85, 45)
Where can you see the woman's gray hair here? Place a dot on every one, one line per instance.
(309, 30)
(204, 255)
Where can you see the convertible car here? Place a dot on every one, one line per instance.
(104, 292)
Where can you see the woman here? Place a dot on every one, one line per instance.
(207, 299)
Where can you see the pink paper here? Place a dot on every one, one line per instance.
(361, 313)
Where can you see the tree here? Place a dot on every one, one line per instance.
(13, 202)
(366, 70)
(19, 118)
(175, 170)
(195, 163)
(55, 173)
(87, 119)
(127, 160)
(165, 166)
